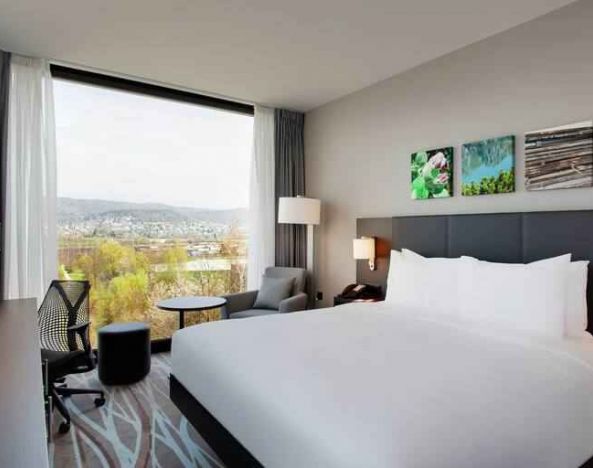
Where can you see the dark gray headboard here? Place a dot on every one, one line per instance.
(500, 237)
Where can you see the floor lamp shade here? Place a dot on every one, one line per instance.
(299, 210)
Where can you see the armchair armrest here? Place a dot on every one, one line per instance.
(294, 303)
(238, 302)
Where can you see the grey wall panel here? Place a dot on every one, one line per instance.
(468, 235)
(426, 235)
(549, 234)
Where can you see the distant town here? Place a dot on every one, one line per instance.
(104, 218)
(132, 227)
(152, 228)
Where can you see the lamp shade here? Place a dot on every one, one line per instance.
(298, 210)
(363, 248)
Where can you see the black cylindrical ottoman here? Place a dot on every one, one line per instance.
(124, 353)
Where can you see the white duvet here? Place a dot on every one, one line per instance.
(363, 385)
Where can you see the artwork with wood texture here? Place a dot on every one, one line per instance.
(560, 157)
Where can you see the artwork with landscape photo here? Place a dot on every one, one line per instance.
(432, 174)
(559, 157)
(488, 166)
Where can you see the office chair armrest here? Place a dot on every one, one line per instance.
(79, 327)
(294, 303)
(82, 330)
(238, 302)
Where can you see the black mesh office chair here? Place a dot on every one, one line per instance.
(64, 335)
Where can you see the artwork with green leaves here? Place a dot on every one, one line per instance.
(432, 174)
(488, 166)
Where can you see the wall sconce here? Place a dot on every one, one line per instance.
(364, 249)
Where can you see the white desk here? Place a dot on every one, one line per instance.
(22, 418)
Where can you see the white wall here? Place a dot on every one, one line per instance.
(358, 148)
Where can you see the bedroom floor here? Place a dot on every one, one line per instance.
(138, 426)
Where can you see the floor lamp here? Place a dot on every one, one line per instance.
(301, 210)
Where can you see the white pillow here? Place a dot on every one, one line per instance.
(575, 306)
(413, 256)
(410, 254)
(528, 297)
(576, 313)
(428, 285)
(394, 261)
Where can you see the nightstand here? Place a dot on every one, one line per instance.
(339, 300)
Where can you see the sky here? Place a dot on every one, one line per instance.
(114, 145)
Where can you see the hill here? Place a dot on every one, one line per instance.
(71, 210)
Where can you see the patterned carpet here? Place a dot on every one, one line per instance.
(139, 426)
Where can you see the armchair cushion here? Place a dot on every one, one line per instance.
(253, 313)
(272, 292)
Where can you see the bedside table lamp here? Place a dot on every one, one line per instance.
(301, 210)
(364, 249)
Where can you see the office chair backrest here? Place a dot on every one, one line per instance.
(65, 304)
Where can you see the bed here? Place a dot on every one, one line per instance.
(366, 385)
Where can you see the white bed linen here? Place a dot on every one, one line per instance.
(362, 386)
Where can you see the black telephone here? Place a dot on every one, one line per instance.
(361, 291)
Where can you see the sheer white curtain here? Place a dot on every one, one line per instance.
(262, 205)
(30, 246)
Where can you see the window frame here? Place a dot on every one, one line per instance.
(158, 91)
(148, 89)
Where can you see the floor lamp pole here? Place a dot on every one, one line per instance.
(310, 247)
(310, 264)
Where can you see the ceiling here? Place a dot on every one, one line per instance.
(295, 54)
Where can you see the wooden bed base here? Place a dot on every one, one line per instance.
(228, 449)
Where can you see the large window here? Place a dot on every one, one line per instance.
(153, 198)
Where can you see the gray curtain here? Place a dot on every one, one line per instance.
(291, 240)
(4, 82)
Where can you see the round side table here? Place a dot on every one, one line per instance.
(190, 304)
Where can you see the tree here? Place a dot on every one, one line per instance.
(109, 260)
(127, 283)
(174, 258)
(124, 298)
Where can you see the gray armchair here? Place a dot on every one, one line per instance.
(240, 305)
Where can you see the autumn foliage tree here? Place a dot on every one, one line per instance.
(126, 283)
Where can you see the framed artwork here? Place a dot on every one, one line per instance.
(559, 157)
(432, 174)
(488, 166)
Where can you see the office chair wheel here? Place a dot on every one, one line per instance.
(99, 401)
(64, 427)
